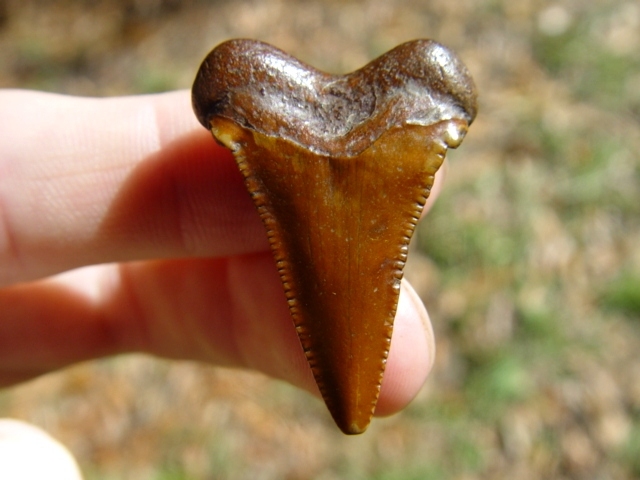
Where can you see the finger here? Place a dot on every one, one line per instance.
(261, 335)
(276, 350)
(86, 181)
(28, 453)
(229, 312)
(411, 356)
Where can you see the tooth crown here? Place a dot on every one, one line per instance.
(339, 168)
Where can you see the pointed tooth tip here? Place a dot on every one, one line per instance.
(354, 428)
(352, 419)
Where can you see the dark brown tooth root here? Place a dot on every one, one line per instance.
(339, 168)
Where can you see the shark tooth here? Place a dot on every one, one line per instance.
(339, 169)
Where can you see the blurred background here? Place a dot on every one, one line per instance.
(529, 263)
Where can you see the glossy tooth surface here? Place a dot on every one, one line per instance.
(339, 168)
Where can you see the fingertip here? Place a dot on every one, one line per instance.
(120, 179)
(28, 453)
(411, 356)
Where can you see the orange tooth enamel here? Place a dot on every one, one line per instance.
(339, 168)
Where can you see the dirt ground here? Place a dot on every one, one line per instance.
(529, 264)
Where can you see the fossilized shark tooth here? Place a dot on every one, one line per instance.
(339, 168)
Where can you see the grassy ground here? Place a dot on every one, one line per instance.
(529, 263)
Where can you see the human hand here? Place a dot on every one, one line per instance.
(29, 453)
(175, 262)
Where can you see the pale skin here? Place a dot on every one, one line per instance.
(176, 260)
